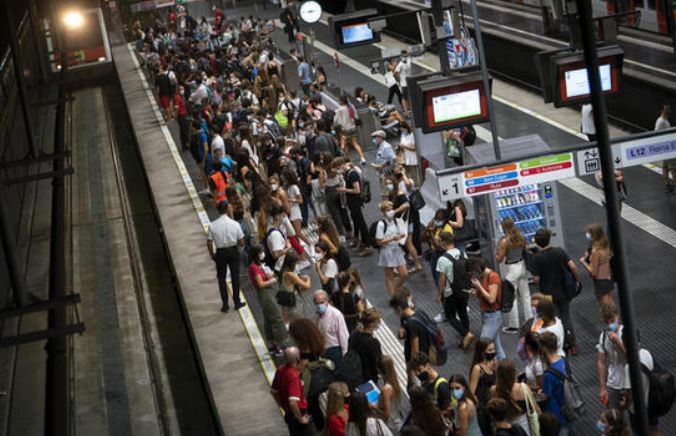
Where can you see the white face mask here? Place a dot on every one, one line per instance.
(588, 236)
(390, 187)
(274, 187)
(389, 214)
(318, 255)
(261, 255)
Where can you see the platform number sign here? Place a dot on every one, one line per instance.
(450, 186)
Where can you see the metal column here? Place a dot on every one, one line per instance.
(484, 76)
(16, 277)
(612, 210)
(17, 64)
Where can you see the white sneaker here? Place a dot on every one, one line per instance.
(439, 318)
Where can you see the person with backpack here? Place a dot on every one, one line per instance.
(453, 286)
(498, 410)
(556, 275)
(511, 249)
(390, 234)
(658, 388)
(487, 287)
(355, 199)
(416, 338)
(345, 119)
(365, 345)
(611, 363)
(552, 392)
(437, 387)
(276, 243)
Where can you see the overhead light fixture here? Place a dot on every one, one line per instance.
(73, 19)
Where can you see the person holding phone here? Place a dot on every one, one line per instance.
(487, 287)
(390, 235)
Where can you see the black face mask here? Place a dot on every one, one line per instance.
(424, 377)
(490, 356)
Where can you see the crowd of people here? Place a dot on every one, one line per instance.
(287, 175)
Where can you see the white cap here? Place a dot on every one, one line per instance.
(380, 133)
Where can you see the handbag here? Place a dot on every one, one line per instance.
(531, 414)
(416, 199)
(285, 298)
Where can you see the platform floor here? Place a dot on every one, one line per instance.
(518, 112)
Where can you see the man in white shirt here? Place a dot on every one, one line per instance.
(223, 238)
(404, 70)
(612, 361)
(333, 327)
(217, 142)
(668, 166)
(199, 95)
(587, 119)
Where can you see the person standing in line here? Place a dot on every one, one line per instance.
(611, 363)
(416, 338)
(668, 166)
(487, 287)
(391, 81)
(390, 233)
(552, 384)
(352, 190)
(287, 390)
(451, 294)
(182, 114)
(391, 404)
(597, 263)
(304, 75)
(548, 269)
(224, 238)
(165, 90)
(482, 377)
(404, 70)
(407, 144)
(368, 347)
(385, 155)
(588, 126)
(333, 327)
(511, 250)
(344, 118)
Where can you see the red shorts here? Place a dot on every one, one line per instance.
(164, 102)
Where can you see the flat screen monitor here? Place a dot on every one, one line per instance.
(571, 84)
(356, 33)
(454, 105)
(577, 84)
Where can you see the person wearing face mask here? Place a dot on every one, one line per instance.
(487, 287)
(353, 187)
(597, 263)
(390, 234)
(466, 421)
(404, 211)
(264, 281)
(481, 378)
(437, 387)
(385, 154)
(611, 363)
(333, 328)
(325, 266)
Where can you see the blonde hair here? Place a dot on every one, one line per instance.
(541, 297)
(335, 399)
(512, 234)
(386, 204)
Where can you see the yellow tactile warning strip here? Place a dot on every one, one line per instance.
(255, 336)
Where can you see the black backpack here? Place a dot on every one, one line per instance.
(438, 353)
(468, 135)
(372, 233)
(461, 280)
(350, 370)
(364, 187)
(662, 391)
(328, 116)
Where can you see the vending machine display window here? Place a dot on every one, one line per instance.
(523, 205)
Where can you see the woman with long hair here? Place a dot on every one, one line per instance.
(391, 404)
(279, 194)
(457, 214)
(328, 234)
(264, 281)
(517, 395)
(597, 263)
(511, 249)
(613, 423)
(482, 378)
(466, 422)
(425, 414)
(326, 267)
(337, 410)
(295, 199)
(295, 284)
(363, 422)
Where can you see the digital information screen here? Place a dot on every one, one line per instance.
(577, 83)
(356, 33)
(456, 106)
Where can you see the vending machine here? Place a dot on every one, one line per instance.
(530, 207)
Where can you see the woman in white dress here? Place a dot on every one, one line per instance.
(390, 234)
(295, 199)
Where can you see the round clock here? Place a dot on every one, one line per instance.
(310, 11)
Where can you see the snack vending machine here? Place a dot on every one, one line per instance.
(530, 207)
